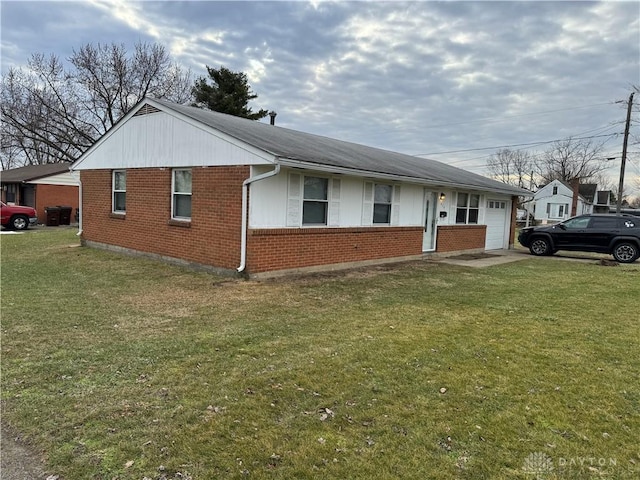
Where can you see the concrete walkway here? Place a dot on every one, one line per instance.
(482, 260)
(500, 257)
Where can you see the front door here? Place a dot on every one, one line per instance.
(429, 237)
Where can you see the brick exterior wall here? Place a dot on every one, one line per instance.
(452, 238)
(211, 238)
(288, 248)
(54, 195)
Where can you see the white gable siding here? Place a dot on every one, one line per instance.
(162, 140)
(59, 179)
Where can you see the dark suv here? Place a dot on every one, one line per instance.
(618, 235)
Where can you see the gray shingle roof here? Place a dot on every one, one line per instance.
(33, 172)
(314, 149)
(588, 191)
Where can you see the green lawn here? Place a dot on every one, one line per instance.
(125, 368)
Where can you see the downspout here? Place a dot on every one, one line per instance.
(80, 209)
(245, 213)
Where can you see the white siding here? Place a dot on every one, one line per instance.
(412, 205)
(547, 205)
(161, 140)
(269, 199)
(60, 179)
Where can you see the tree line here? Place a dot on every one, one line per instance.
(570, 159)
(565, 160)
(52, 111)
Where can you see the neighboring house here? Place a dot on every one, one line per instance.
(552, 202)
(206, 188)
(41, 186)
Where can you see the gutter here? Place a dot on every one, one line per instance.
(245, 213)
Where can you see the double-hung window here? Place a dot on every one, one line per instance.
(557, 210)
(181, 194)
(119, 191)
(468, 208)
(315, 201)
(382, 196)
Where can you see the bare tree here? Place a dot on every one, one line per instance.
(514, 167)
(571, 159)
(52, 114)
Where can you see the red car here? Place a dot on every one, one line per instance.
(17, 217)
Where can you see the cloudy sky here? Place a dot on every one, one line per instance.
(453, 81)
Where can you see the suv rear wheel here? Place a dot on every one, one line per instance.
(540, 246)
(625, 252)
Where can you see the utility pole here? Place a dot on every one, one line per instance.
(624, 153)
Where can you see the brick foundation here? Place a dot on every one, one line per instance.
(290, 248)
(452, 238)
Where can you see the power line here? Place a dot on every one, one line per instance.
(516, 145)
(535, 155)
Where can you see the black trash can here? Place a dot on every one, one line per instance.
(53, 216)
(65, 215)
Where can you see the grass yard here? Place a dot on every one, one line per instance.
(123, 368)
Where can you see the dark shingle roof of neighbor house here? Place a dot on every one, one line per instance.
(314, 149)
(588, 191)
(33, 172)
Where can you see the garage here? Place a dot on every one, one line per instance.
(496, 216)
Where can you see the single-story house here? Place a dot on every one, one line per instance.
(205, 188)
(552, 202)
(41, 186)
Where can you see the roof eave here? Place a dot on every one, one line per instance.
(292, 163)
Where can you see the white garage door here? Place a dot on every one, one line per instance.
(497, 224)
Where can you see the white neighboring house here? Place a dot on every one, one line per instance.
(552, 203)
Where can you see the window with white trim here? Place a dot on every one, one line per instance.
(467, 208)
(181, 194)
(315, 200)
(119, 191)
(382, 196)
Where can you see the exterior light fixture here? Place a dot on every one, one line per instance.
(442, 197)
